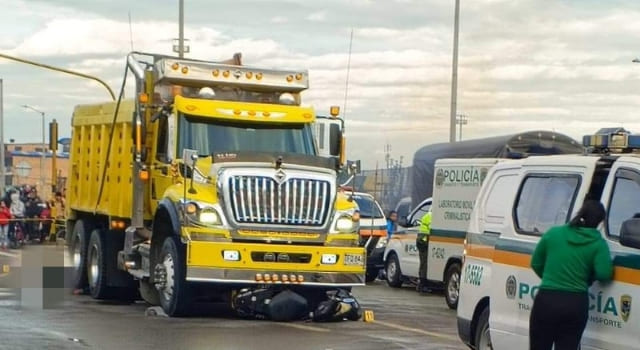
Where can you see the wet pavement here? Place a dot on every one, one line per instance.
(403, 320)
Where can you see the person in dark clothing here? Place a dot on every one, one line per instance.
(32, 212)
(569, 259)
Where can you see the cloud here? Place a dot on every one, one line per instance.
(317, 16)
(530, 64)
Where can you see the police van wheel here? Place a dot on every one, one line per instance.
(482, 336)
(394, 275)
(452, 286)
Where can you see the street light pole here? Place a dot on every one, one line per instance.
(44, 148)
(3, 175)
(181, 29)
(454, 76)
(461, 120)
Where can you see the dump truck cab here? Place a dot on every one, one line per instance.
(227, 187)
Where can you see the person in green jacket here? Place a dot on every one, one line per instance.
(569, 259)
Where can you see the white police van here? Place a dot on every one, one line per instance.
(456, 185)
(519, 201)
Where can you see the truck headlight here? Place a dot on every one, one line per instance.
(345, 224)
(209, 216)
(200, 214)
(382, 242)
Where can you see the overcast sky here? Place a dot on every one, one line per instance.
(523, 65)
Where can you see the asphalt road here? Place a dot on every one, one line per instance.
(403, 320)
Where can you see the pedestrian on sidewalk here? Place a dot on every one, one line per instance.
(5, 216)
(568, 258)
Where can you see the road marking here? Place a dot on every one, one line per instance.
(9, 254)
(306, 328)
(415, 330)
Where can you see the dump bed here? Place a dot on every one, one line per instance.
(89, 148)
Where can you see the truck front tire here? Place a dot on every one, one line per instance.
(78, 251)
(148, 293)
(452, 285)
(170, 278)
(371, 275)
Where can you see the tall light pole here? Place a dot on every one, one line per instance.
(44, 147)
(461, 120)
(3, 175)
(181, 29)
(180, 44)
(454, 75)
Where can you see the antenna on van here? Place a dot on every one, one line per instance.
(130, 32)
(346, 85)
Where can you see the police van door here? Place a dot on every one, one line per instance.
(549, 193)
(614, 320)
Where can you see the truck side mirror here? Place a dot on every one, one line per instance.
(630, 233)
(335, 140)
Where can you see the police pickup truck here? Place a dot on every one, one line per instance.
(518, 202)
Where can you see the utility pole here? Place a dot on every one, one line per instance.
(454, 75)
(181, 29)
(3, 169)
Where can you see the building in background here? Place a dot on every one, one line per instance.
(23, 166)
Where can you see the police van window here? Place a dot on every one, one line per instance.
(545, 201)
(417, 216)
(625, 202)
(499, 195)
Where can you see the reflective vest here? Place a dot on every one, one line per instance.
(425, 227)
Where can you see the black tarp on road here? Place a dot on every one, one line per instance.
(509, 146)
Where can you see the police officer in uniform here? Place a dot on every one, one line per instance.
(422, 243)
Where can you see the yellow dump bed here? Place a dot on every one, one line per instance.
(89, 145)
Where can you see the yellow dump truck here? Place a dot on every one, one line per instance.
(207, 181)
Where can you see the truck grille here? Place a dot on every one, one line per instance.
(260, 199)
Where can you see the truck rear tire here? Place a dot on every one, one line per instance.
(482, 337)
(78, 251)
(170, 278)
(97, 275)
(394, 274)
(452, 285)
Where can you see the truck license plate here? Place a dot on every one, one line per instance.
(353, 259)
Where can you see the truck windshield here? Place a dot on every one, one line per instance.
(210, 136)
(367, 207)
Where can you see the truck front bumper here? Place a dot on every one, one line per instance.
(250, 263)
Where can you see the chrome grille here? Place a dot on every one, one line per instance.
(260, 199)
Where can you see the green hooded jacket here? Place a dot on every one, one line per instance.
(571, 258)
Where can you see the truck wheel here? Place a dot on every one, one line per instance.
(371, 275)
(78, 252)
(97, 275)
(169, 278)
(452, 285)
(482, 336)
(149, 293)
(394, 275)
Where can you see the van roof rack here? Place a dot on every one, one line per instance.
(611, 140)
